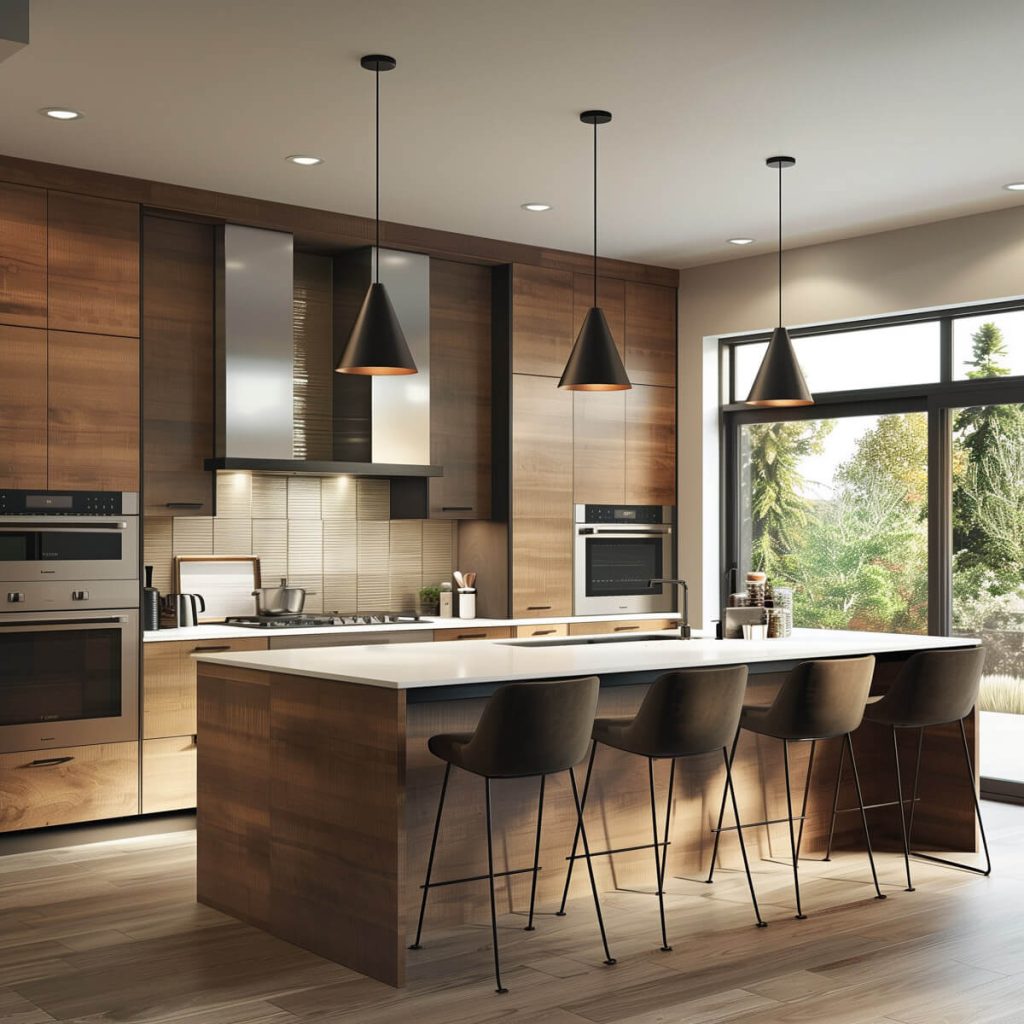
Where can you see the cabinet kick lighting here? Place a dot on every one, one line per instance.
(61, 113)
(304, 161)
(740, 241)
(536, 207)
(779, 381)
(1015, 186)
(377, 346)
(594, 363)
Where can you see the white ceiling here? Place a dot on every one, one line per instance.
(898, 111)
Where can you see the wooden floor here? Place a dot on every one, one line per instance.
(111, 933)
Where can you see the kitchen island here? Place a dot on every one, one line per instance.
(316, 792)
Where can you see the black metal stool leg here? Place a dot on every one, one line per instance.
(721, 811)
(835, 800)
(987, 870)
(658, 871)
(917, 779)
(576, 838)
(864, 817)
(668, 823)
(609, 959)
(430, 859)
(800, 915)
(739, 834)
(490, 880)
(536, 854)
(807, 789)
(903, 810)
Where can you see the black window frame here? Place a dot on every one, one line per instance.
(938, 399)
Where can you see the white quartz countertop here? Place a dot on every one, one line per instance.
(220, 631)
(412, 665)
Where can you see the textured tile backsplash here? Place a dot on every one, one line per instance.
(331, 535)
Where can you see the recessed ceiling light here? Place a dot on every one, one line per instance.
(537, 207)
(1015, 186)
(61, 113)
(740, 241)
(304, 161)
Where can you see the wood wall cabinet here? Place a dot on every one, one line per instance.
(64, 785)
(541, 497)
(599, 447)
(22, 256)
(650, 445)
(542, 320)
(650, 334)
(92, 265)
(93, 412)
(460, 390)
(178, 366)
(22, 407)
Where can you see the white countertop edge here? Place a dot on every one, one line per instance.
(220, 631)
(415, 666)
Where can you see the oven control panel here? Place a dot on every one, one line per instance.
(623, 514)
(67, 503)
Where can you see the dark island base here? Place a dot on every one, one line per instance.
(317, 801)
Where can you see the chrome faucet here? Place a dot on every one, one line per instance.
(684, 626)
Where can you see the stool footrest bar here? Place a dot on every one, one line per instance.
(479, 878)
(757, 824)
(621, 849)
(871, 807)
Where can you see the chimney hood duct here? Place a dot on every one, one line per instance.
(255, 364)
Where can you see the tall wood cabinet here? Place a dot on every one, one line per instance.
(69, 350)
(582, 447)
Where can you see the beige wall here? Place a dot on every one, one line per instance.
(952, 262)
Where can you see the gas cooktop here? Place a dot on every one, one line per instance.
(330, 619)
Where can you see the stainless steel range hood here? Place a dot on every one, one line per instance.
(381, 425)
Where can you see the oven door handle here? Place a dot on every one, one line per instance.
(61, 623)
(56, 525)
(597, 531)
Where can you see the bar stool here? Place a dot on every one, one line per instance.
(819, 700)
(933, 688)
(526, 730)
(684, 714)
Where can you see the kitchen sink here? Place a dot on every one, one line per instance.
(601, 638)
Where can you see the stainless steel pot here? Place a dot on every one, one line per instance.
(279, 600)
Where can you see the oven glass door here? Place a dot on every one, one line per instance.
(67, 681)
(67, 549)
(623, 566)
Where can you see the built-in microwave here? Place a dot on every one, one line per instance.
(618, 550)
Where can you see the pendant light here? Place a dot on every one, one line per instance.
(594, 363)
(779, 381)
(377, 346)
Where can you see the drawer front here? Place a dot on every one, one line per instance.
(620, 626)
(169, 683)
(64, 785)
(474, 633)
(168, 774)
(547, 629)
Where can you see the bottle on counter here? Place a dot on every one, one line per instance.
(150, 603)
(446, 606)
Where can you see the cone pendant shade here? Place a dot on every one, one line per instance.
(780, 381)
(377, 345)
(594, 363)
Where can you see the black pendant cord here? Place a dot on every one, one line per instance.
(780, 243)
(376, 214)
(595, 213)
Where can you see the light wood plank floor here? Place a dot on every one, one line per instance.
(111, 933)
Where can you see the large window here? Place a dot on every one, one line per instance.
(896, 502)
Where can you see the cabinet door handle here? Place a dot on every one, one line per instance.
(44, 762)
(543, 632)
(183, 504)
(456, 508)
(211, 650)
(538, 607)
(471, 636)
(622, 629)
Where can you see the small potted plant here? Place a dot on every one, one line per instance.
(430, 600)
